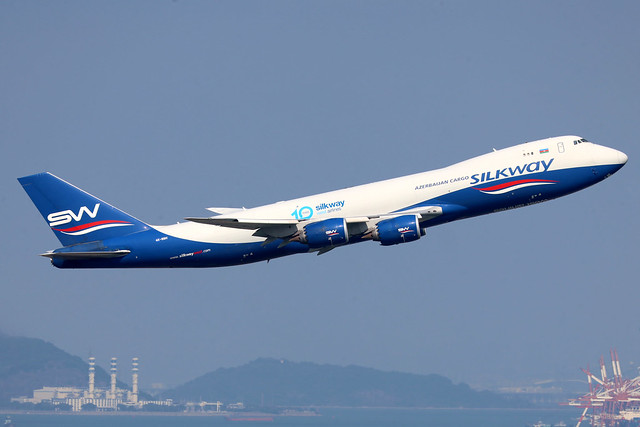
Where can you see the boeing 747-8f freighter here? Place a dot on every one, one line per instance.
(95, 234)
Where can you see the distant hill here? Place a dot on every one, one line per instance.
(271, 382)
(29, 363)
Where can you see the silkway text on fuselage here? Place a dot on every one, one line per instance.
(539, 166)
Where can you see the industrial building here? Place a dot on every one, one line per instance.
(106, 399)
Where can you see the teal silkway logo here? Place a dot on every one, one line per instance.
(332, 205)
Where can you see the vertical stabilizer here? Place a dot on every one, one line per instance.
(74, 215)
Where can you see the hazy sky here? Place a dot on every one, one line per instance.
(164, 108)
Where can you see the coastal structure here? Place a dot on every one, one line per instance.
(611, 401)
(107, 399)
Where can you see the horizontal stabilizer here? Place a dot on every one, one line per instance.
(86, 254)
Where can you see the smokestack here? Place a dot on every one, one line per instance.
(92, 376)
(114, 370)
(134, 380)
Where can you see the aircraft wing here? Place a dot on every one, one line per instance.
(425, 212)
(244, 223)
(280, 228)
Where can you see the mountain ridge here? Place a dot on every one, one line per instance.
(27, 364)
(279, 382)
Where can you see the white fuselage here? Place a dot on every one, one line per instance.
(383, 197)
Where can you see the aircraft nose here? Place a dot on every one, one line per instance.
(611, 156)
(622, 158)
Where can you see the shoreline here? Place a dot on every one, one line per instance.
(222, 414)
(293, 413)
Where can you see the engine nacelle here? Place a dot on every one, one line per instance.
(330, 232)
(401, 229)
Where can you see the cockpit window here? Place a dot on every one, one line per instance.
(579, 141)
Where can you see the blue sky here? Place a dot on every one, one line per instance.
(164, 108)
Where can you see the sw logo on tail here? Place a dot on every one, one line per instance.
(64, 217)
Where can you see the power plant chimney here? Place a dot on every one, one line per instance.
(134, 380)
(92, 376)
(114, 370)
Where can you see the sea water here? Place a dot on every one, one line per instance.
(327, 417)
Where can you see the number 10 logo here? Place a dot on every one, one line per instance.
(304, 212)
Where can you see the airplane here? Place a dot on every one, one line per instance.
(95, 234)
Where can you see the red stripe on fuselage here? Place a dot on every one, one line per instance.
(512, 183)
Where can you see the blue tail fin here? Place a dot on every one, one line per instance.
(76, 216)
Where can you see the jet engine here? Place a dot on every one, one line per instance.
(321, 234)
(401, 229)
